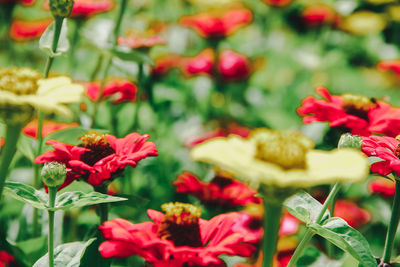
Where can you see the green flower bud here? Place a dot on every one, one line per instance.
(61, 8)
(349, 140)
(54, 173)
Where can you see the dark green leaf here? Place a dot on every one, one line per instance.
(337, 231)
(27, 194)
(69, 200)
(304, 207)
(33, 248)
(125, 53)
(92, 256)
(46, 41)
(26, 147)
(69, 135)
(66, 255)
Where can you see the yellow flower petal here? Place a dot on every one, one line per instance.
(60, 89)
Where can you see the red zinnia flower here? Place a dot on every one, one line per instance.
(361, 115)
(218, 25)
(87, 8)
(100, 157)
(222, 190)
(316, 15)
(48, 127)
(25, 30)
(393, 65)
(203, 63)
(137, 40)
(382, 186)
(177, 238)
(351, 213)
(119, 90)
(386, 148)
(5, 258)
(233, 66)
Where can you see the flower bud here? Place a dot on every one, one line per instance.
(349, 140)
(54, 173)
(61, 8)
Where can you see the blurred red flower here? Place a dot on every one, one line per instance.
(165, 63)
(99, 157)
(382, 186)
(278, 3)
(2, 141)
(393, 65)
(233, 66)
(25, 30)
(137, 40)
(361, 115)
(177, 238)
(24, 2)
(48, 127)
(351, 213)
(202, 63)
(384, 147)
(5, 258)
(222, 190)
(316, 15)
(119, 90)
(210, 25)
(86, 8)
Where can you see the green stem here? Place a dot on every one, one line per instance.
(102, 208)
(309, 234)
(56, 38)
(272, 221)
(74, 42)
(141, 83)
(7, 153)
(394, 222)
(52, 200)
(96, 68)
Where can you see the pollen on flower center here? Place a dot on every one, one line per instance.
(20, 81)
(357, 105)
(285, 149)
(181, 224)
(98, 145)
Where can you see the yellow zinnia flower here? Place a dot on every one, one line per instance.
(282, 159)
(22, 90)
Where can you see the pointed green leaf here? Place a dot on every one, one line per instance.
(125, 53)
(27, 194)
(304, 207)
(25, 146)
(69, 200)
(66, 255)
(46, 41)
(337, 231)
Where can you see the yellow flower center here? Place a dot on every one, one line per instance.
(181, 224)
(358, 105)
(98, 145)
(20, 81)
(285, 149)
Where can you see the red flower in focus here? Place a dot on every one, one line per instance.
(5, 258)
(87, 8)
(48, 127)
(316, 15)
(232, 128)
(177, 238)
(386, 148)
(233, 66)
(393, 65)
(119, 90)
(137, 40)
(203, 63)
(24, 30)
(218, 25)
(351, 213)
(361, 115)
(278, 3)
(382, 186)
(100, 157)
(222, 190)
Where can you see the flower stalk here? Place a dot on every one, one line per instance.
(102, 208)
(7, 153)
(56, 38)
(394, 222)
(272, 219)
(309, 234)
(52, 200)
(139, 95)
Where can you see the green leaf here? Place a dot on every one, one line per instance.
(33, 248)
(66, 255)
(69, 135)
(46, 41)
(69, 200)
(125, 53)
(337, 231)
(25, 146)
(27, 194)
(304, 207)
(92, 256)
